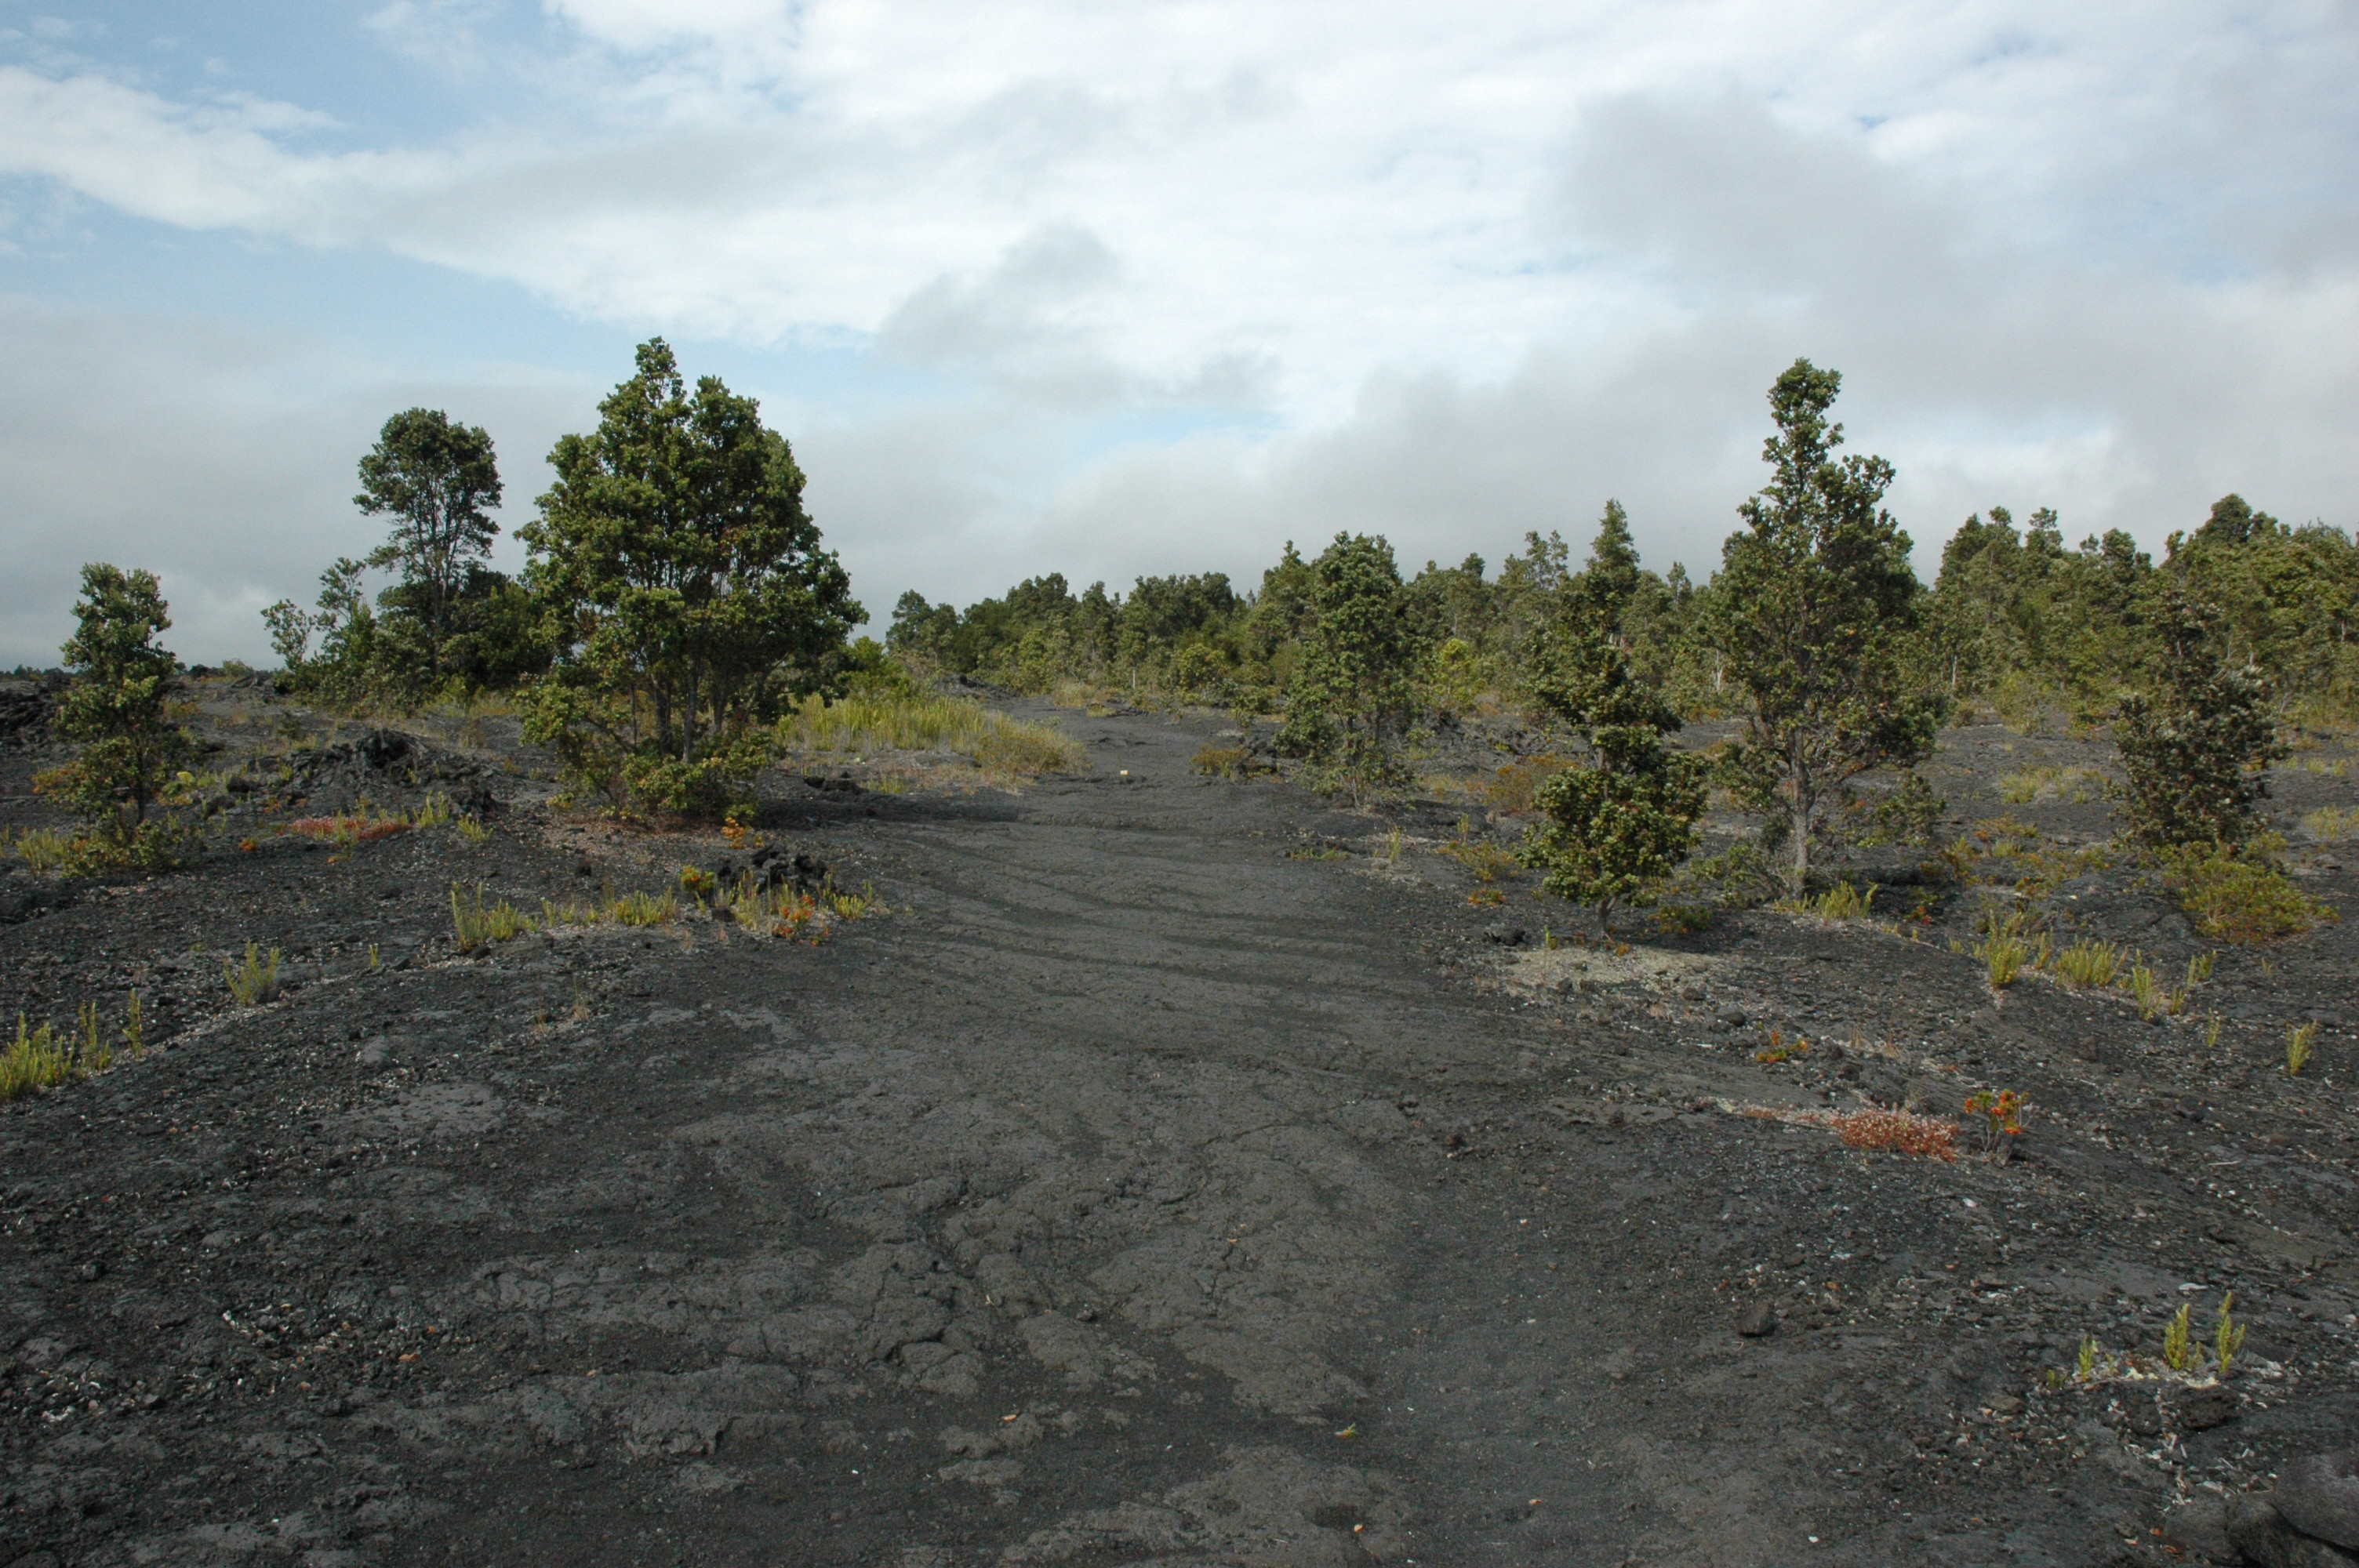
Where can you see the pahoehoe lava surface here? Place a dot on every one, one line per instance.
(1164, 1179)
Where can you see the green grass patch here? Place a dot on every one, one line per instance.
(920, 721)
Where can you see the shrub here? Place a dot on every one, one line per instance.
(2191, 750)
(119, 707)
(1218, 761)
(1349, 705)
(1614, 831)
(2240, 896)
(674, 551)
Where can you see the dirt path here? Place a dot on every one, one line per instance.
(1152, 1185)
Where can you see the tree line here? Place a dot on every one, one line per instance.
(676, 598)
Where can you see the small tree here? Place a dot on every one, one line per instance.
(344, 667)
(434, 479)
(1614, 830)
(688, 591)
(1349, 705)
(116, 707)
(2193, 748)
(1816, 609)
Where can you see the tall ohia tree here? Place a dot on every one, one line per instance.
(1814, 610)
(688, 589)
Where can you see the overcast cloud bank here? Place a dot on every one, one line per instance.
(1157, 287)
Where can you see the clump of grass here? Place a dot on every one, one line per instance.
(2329, 823)
(2241, 896)
(2078, 785)
(44, 850)
(472, 831)
(643, 908)
(851, 905)
(919, 722)
(256, 980)
(479, 925)
(1845, 901)
(1781, 1049)
(1488, 861)
(2298, 1044)
(1514, 788)
(434, 811)
(2089, 965)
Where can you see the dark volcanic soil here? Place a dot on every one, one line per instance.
(1170, 1177)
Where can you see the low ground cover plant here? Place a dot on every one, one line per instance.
(43, 1057)
(914, 721)
(2241, 894)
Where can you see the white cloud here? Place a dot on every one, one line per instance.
(1444, 271)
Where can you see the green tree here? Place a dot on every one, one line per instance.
(2193, 748)
(1349, 706)
(343, 669)
(687, 586)
(1611, 831)
(117, 709)
(1815, 609)
(434, 479)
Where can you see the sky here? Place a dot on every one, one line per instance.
(1156, 287)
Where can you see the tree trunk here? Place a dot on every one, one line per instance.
(1799, 878)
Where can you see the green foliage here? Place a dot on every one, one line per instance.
(2299, 1042)
(2227, 1338)
(2089, 965)
(117, 708)
(693, 600)
(1815, 609)
(884, 717)
(434, 479)
(45, 850)
(253, 981)
(1349, 707)
(2192, 750)
(477, 923)
(2241, 894)
(1612, 831)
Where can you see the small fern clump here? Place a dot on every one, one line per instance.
(2298, 1043)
